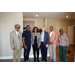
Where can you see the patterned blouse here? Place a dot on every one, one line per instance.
(63, 40)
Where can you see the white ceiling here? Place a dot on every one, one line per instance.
(51, 15)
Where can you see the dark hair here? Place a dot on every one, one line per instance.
(52, 26)
(61, 30)
(27, 26)
(34, 29)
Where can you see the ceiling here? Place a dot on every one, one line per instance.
(51, 15)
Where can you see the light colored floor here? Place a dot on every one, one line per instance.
(69, 58)
(22, 60)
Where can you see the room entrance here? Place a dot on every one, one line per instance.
(71, 34)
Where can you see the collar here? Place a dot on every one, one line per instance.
(52, 31)
(16, 31)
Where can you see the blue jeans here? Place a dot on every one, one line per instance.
(26, 53)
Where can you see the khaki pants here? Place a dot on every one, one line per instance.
(15, 53)
(52, 51)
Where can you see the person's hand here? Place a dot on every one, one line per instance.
(46, 45)
(25, 47)
(22, 46)
(13, 48)
(38, 46)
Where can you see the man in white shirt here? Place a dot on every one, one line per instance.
(16, 42)
(44, 44)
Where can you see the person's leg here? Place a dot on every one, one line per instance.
(25, 54)
(14, 55)
(45, 52)
(19, 55)
(29, 47)
(54, 53)
(38, 54)
(42, 44)
(60, 52)
(50, 51)
(64, 56)
(34, 53)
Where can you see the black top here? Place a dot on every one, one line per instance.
(35, 43)
(35, 40)
(27, 35)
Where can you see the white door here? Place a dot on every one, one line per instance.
(70, 34)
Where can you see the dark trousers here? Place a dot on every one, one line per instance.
(43, 51)
(26, 53)
(35, 49)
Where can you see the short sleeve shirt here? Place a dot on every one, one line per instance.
(27, 35)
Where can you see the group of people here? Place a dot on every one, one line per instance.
(39, 40)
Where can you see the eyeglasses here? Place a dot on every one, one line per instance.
(17, 27)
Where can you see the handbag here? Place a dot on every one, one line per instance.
(67, 52)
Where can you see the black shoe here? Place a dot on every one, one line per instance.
(42, 60)
(34, 60)
(38, 60)
(45, 60)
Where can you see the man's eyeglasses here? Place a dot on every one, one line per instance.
(17, 27)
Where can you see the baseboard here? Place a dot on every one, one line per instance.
(11, 57)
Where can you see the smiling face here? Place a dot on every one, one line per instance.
(28, 28)
(35, 30)
(61, 31)
(51, 28)
(17, 28)
(43, 29)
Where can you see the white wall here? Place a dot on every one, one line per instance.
(7, 22)
(38, 21)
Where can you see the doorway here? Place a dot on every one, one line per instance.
(74, 34)
(30, 23)
(71, 34)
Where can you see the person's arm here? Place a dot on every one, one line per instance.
(24, 43)
(67, 41)
(47, 40)
(23, 38)
(56, 38)
(58, 41)
(11, 41)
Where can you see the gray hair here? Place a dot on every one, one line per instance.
(17, 25)
(43, 27)
(61, 30)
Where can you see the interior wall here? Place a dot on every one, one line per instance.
(74, 22)
(74, 34)
(7, 22)
(38, 21)
(57, 24)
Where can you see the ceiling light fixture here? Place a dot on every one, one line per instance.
(67, 16)
(36, 15)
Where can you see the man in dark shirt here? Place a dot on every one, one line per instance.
(26, 36)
